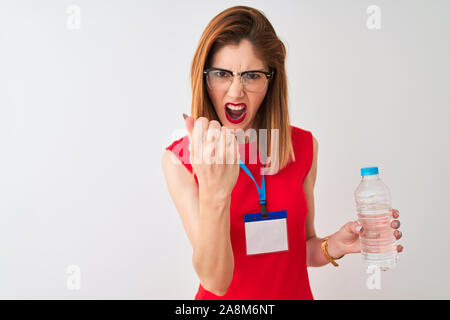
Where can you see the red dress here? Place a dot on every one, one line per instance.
(279, 275)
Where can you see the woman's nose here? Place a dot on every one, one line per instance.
(236, 88)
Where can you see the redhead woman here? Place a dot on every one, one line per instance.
(248, 211)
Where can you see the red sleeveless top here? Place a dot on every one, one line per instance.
(276, 275)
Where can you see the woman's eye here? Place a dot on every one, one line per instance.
(252, 76)
(220, 74)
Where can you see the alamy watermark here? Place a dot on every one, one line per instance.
(373, 21)
(73, 281)
(374, 280)
(73, 21)
(215, 146)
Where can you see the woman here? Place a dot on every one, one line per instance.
(239, 82)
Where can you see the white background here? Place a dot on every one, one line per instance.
(85, 116)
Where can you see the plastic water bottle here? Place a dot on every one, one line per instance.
(373, 205)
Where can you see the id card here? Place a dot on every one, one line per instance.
(264, 235)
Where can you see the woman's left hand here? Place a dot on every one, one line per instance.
(346, 240)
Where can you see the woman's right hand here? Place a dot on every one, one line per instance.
(214, 156)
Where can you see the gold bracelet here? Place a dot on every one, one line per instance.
(326, 254)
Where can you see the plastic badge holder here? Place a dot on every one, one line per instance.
(264, 235)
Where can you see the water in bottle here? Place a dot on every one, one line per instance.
(373, 205)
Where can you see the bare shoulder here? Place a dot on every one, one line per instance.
(173, 168)
(168, 159)
(183, 191)
(169, 162)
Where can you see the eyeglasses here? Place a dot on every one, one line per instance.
(252, 80)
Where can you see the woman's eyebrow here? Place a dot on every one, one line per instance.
(250, 69)
(220, 69)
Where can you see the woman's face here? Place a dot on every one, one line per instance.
(237, 58)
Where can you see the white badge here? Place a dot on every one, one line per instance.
(264, 235)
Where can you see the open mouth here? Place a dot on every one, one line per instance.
(235, 113)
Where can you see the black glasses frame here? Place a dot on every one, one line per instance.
(269, 75)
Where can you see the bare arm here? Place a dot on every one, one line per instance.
(206, 221)
(213, 254)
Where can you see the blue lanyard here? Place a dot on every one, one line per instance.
(261, 191)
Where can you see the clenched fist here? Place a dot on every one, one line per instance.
(214, 156)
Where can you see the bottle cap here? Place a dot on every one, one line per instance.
(369, 171)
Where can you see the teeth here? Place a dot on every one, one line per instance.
(239, 107)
